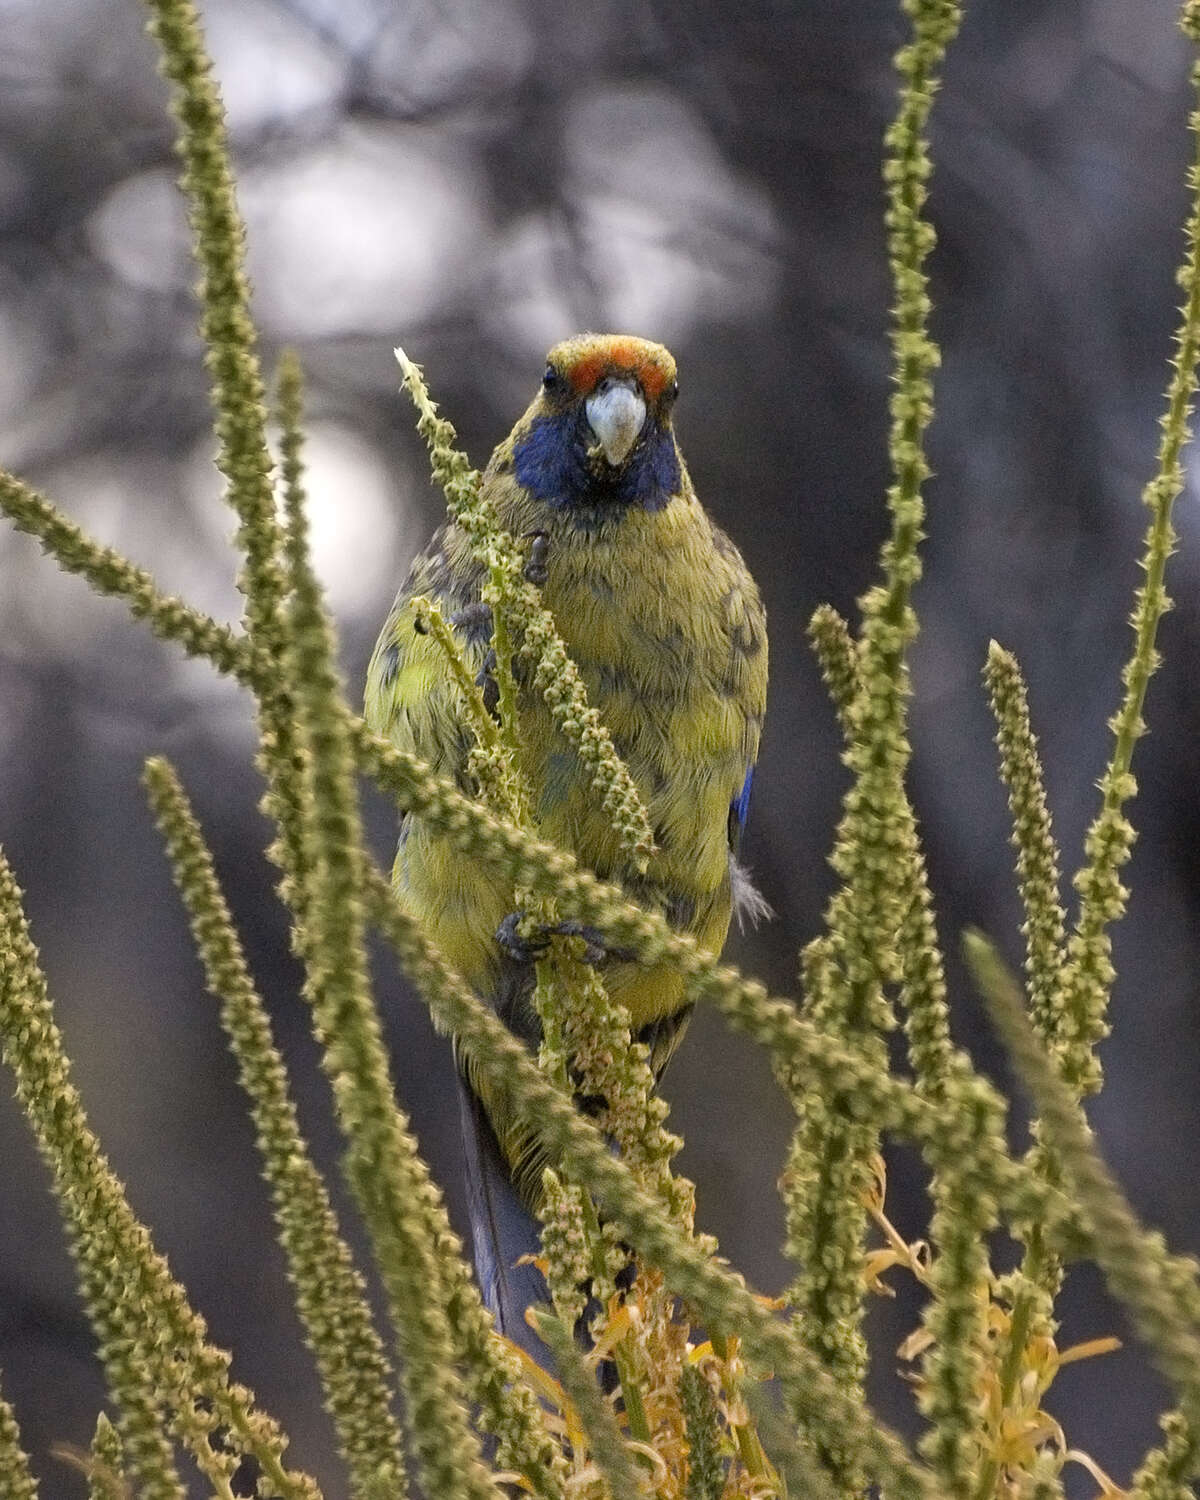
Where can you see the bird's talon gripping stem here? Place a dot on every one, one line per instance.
(597, 948)
(522, 950)
(527, 950)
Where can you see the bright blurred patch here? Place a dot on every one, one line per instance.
(359, 511)
(378, 228)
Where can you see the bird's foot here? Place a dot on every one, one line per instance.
(527, 950)
(597, 947)
(522, 950)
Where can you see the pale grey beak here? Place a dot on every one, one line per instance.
(616, 413)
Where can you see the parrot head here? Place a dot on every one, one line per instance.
(598, 437)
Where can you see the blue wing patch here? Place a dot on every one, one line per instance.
(749, 904)
(739, 811)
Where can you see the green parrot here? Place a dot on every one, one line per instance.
(665, 624)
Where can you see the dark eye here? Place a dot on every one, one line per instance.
(551, 380)
(672, 392)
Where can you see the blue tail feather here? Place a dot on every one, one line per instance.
(502, 1231)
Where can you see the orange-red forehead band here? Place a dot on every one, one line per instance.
(625, 355)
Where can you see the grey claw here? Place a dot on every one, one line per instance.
(520, 949)
(598, 947)
(528, 950)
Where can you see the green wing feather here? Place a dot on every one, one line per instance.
(666, 625)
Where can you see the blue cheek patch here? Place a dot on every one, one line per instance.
(657, 471)
(551, 463)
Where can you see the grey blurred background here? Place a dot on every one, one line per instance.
(477, 180)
